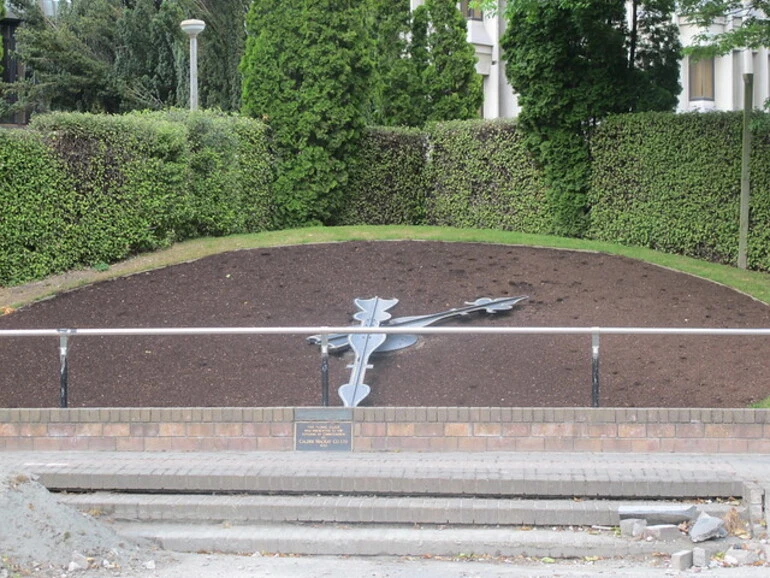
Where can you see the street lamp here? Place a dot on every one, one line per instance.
(192, 28)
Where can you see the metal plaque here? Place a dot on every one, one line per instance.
(323, 436)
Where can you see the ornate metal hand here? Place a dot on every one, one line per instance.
(372, 313)
(340, 341)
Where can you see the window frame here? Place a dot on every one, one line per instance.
(701, 79)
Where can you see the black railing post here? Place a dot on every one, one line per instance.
(595, 368)
(63, 346)
(324, 370)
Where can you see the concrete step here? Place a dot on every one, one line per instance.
(455, 482)
(365, 540)
(251, 509)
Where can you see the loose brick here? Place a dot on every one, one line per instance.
(681, 560)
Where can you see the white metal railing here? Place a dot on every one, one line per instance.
(65, 334)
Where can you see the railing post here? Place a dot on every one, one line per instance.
(595, 367)
(63, 346)
(324, 370)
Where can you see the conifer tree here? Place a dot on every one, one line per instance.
(395, 77)
(2, 15)
(151, 64)
(452, 86)
(306, 71)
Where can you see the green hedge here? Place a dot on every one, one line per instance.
(129, 175)
(672, 183)
(38, 209)
(481, 176)
(87, 189)
(231, 173)
(387, 179)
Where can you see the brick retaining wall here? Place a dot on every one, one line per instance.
(391, 429)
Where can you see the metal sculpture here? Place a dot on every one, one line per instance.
(373, 313)
(340, 341)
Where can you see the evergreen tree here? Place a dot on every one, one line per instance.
(2, 15)
(426, 69)
(306, 70)
(567, 61)
(573, 62)
(451, 83)
(395, 78)
(654, 54)
(419, 58)
(102, 55)
(151, 64)
(71, 56)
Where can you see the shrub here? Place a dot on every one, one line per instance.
(38, 209)
(387, 181)
(481, 176)
(672, 183)
(82, 189)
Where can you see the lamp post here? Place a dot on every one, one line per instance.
(748, 105)
(192, 28)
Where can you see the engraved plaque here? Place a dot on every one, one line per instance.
(323, 436)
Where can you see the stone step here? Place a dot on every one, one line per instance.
(452, 482)
(364, 540)
(251, 509)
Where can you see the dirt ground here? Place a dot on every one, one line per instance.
(316, 285)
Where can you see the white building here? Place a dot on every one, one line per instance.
(708, 84)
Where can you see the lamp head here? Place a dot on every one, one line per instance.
(193, 27)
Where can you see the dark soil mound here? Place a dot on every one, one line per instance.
(316, 285)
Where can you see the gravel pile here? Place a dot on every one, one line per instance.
(41, 537)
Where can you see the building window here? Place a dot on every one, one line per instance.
(702, 79)
(469, 12)
(50, 7)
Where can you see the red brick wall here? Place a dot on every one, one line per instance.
(392, 429)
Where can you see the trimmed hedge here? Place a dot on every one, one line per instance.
(129, 177)
(38, 209)
(231, 173)
(87, 189)
(388, 183)
(482, 177)
(672, 183)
